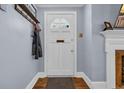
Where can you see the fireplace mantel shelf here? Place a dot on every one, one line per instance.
(113, 34)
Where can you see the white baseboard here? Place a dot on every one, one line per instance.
(60, 76)
(99, 85)
(85, 77)
(34, 80)
(91, 84)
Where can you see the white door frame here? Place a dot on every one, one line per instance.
(75, 37)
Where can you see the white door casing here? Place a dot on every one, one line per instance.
(60, 58)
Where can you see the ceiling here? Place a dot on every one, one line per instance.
(59, 5)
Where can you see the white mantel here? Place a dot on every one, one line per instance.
(114, 40)
(113, 34)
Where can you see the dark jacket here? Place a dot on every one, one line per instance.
(36, 45)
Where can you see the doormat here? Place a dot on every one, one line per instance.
(60, 83)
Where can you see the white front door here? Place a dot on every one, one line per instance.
(60, 43)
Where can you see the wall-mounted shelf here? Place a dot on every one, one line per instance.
(23, 10)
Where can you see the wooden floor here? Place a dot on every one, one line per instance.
(58, 83)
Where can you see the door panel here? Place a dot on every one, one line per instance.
(67, 56)
(60, 55)
(60, 59)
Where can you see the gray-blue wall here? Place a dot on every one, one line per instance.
(86, 53)
(17, 68)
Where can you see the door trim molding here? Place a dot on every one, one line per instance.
(75, 37)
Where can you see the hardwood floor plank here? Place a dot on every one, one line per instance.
(41, 83)
(79, 83)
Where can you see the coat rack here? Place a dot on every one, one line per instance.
(24, 10)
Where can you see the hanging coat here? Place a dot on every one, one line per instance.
(36, 45)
